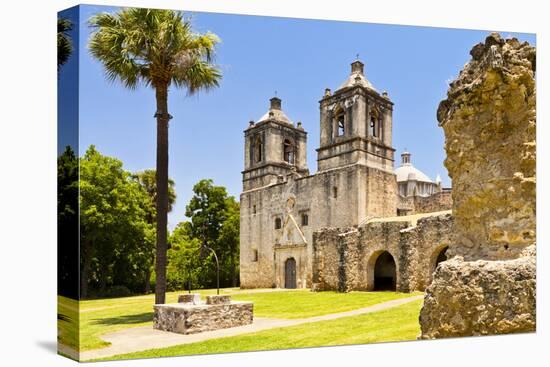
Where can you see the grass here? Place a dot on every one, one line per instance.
(101, 316)
(394, 324)
(303, 303)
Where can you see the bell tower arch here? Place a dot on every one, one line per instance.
(274, 147)
(356, 125)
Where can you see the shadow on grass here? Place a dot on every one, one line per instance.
(126, 319)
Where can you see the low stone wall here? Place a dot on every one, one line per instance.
(344, 258)
(189, 318)
(480, 298)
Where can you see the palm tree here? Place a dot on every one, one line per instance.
(147, 180)
(156, 48)
(64, 43)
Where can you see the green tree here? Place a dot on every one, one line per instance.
(147, 180)
(113, 221)
(215, 220)
(64, 43)
(184, 264)
(67, 223)
(228, 241)
(156, 48)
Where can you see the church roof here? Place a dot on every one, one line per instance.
(275, 112)
(407, 171)
(357, 77)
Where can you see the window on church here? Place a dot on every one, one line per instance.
(254, 255)
(278, 223)
(373, 126)
(254, 209)
(335, 192)
(288, 151)
(305, 219)
(340, 123)
(258, 150)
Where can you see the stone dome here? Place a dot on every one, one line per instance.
(357, 77)
(407, 171)
(275, 112)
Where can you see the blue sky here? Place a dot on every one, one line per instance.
(260, 55)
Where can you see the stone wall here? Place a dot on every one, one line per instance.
(489, 123)
(480, 298)
(189, 318)
(335, 198)
(344, 258)
(425, 204)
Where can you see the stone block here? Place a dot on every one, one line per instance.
(480, 298)
(193, 298)
(218, 300)
(186, 318)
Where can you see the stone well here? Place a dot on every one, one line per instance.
(192, 315)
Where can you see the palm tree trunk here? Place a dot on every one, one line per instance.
(162, 190)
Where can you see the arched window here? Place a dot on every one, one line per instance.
(288, 151)
(277, 223)
(258, 149)
(374, 123)
(340, 122)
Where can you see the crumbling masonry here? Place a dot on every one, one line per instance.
(489, 119)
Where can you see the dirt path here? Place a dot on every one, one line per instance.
(145, 337)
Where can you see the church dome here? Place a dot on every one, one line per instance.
(275, 112)
(407, 171)
(357, 77)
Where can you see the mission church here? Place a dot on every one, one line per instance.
(283, 204)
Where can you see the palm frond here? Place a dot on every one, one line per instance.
(154, 47)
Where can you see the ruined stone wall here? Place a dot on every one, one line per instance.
(489, 122)
(434, 203)
(480, 298)
(344, 258)
(437, 202)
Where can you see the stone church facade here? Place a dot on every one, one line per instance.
(284, 208)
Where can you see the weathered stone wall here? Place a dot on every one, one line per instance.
(187, 318)
(344, 258)
(335, 198)
(434, 203)
(437, 202)
(480, 298)
(489, 122)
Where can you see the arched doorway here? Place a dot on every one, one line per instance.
(290, 273)
(384, 272)
(442, 256)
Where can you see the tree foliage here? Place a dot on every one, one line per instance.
(64, 43)
(67, 224)
(214, 220)
(116, 238)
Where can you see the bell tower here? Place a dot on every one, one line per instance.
(356, 125)
(274, 148)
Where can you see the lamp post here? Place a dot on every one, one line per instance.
(205, 247)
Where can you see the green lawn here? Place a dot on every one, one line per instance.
(395, 324)
(98, 317)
